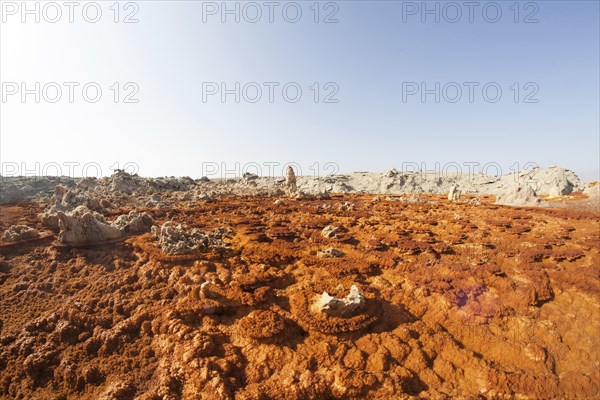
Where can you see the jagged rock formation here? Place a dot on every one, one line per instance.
(175, 239)
(66, 200)
(123, 182)
(330, 231)
(85, 227)
(134, 222)
(334, 307)
(19, 233)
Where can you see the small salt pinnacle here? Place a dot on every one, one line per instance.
(454, 194)
(290, 180)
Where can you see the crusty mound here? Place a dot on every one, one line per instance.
(301, 303)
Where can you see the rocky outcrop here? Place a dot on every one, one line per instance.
(85, 227)
(552, 181)
(123, 187)
(66, 200)
(521, 196)
(27, 188)
(123, 182)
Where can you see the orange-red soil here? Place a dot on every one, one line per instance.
(461, 301)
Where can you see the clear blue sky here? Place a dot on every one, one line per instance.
(368, 54)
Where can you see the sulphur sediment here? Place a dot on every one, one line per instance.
(451, 300)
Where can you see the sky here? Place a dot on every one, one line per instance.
(182, 88)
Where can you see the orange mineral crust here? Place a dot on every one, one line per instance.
(345, 297)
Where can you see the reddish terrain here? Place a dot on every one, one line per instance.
(461, 301)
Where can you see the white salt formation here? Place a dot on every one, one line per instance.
(330, 231)
(175, 239)
(290, 180)
(330, 252)
(334, 307)
(521, 196)
(134, 222)
(454, 194)
(85, 227)
(130, 189)
(18, 233)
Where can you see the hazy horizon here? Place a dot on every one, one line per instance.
(586, 176)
